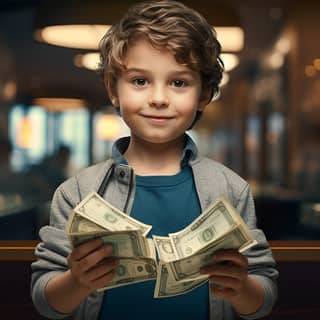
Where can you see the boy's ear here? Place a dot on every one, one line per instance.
(112, 93)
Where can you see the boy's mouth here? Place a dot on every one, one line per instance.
(158, 119)
(157, 116)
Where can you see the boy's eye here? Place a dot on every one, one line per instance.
(139, 82)
(179, 83)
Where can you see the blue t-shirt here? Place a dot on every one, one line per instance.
(169, 204)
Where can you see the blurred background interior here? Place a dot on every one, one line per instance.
(56, 118)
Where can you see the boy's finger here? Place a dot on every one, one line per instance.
(93, 258)
(223, 270)
(225, 282)
(230, 255)
(85, 249)
(104, 280)
(107, 266)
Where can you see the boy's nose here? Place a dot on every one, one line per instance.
(158, 98)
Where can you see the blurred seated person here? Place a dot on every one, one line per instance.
(22, 202)
(15, 189)
(10, 182)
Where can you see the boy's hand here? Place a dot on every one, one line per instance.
(91, 265)
(228, 273)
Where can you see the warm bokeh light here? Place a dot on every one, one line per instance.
(276, 60)
(59, 104)
(72, 36)
(316, 63)
(283, 45)
(310, 71)
(108, 127)
(89, 60)
(230, 61)
(224, 80)
(9, 90)
(231, 38)
(24, 133)
(88, 36)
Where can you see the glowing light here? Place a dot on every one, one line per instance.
(84, 36)
(231, 38)
(283, 45)
(59, 104)
(230, 61)
(310, 71)
(72, 36)
(316, 63)
(276, 60)
(9, 90)
(108, 127)
(24, 133)
(224, 80)
(89, 60)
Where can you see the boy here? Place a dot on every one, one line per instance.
(161, 67)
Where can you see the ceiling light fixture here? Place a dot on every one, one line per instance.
(80, 24)
(72, 36)
(88, 36)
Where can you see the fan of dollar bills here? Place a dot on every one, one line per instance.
(176, 268)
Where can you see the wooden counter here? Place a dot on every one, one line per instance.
(283, 251)
(298, 284)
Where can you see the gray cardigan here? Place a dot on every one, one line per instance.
(212, 180)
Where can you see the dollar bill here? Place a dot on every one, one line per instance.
(152, 249)
(78, 224)
(95, 218)
(181, 254)
(130, 271)
(166, 286)
(213, 223)
(164, 248)
(127, 244)
(96, 209)
(187, 269)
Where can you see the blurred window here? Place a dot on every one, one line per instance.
(36, 133)
(74, 132)
(28, 134)
(276, 148)
(252, 145)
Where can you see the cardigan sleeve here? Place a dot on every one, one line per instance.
(261, 262)
(51, 252)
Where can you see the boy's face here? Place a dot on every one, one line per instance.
(158, 97)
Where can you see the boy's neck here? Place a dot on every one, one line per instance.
(154, 159)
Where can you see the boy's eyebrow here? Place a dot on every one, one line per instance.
(174, 72)
(129, 70)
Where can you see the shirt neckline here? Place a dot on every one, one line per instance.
(166, 180)
(189, 151)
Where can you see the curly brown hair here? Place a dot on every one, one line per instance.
(165, 24)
